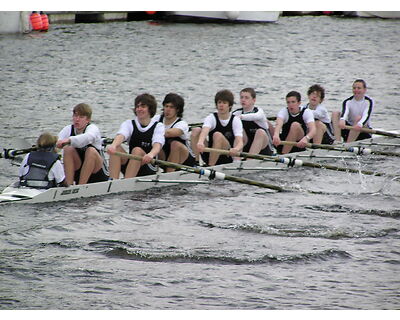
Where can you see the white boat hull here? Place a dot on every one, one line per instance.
(28, 195)
(14, 22)
(232, 16)
(378, 14)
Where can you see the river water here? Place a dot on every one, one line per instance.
(220, 246)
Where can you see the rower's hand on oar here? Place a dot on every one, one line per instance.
(62, 143)
(234, 152)
(111, 149)
(147, 158)
(276, 140)
(302, 143)
(200, 147)
(342, 124)
(357, 127)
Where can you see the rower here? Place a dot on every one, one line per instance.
(145, 137)
(42, 169)
(297, 125)
(223, 130)
(256, 136)
(323, 123)
(82, 148)
(177, 147)
(356, 112)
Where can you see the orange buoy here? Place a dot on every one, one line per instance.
(36, 21)
(45, 21)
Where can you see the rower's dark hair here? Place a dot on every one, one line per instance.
(295, 94)
(317, 88)
(225, 95)
(177, 101)
(149, 101)
(361, 81)
(251, 91)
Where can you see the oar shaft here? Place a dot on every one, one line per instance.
(374, 131)
(11, 153)
(204, 171)
(295, 162)
(385, 153)
(240, 154)
(355, 150)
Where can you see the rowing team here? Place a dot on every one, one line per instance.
(166, 136)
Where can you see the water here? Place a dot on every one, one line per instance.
(225, 246)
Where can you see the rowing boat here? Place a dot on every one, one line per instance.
(15, 194)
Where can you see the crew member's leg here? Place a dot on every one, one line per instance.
(93, 163)
(260, 141)
(296, 133)
(219, 142)
(72, 162)
(115, 163)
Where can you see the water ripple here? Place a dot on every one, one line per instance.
(138, 255)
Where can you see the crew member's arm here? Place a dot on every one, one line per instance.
(362, 122)
(276, 140)
(155, 150)
(238, 132)
(202, 137)
(118, 140)
(308, 118)
(344, 116)
(157, 141)
(312, 130)
(173, 132)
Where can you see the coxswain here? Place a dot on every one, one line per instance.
(42, 168)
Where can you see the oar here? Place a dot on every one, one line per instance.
(199, 124)
(379, 144)
(378, 132)
(210, 173)
(356, 150)
(12, 153)
(291, 162)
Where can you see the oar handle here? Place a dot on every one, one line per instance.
(367, 130)
(221, 151)
(293, 143)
